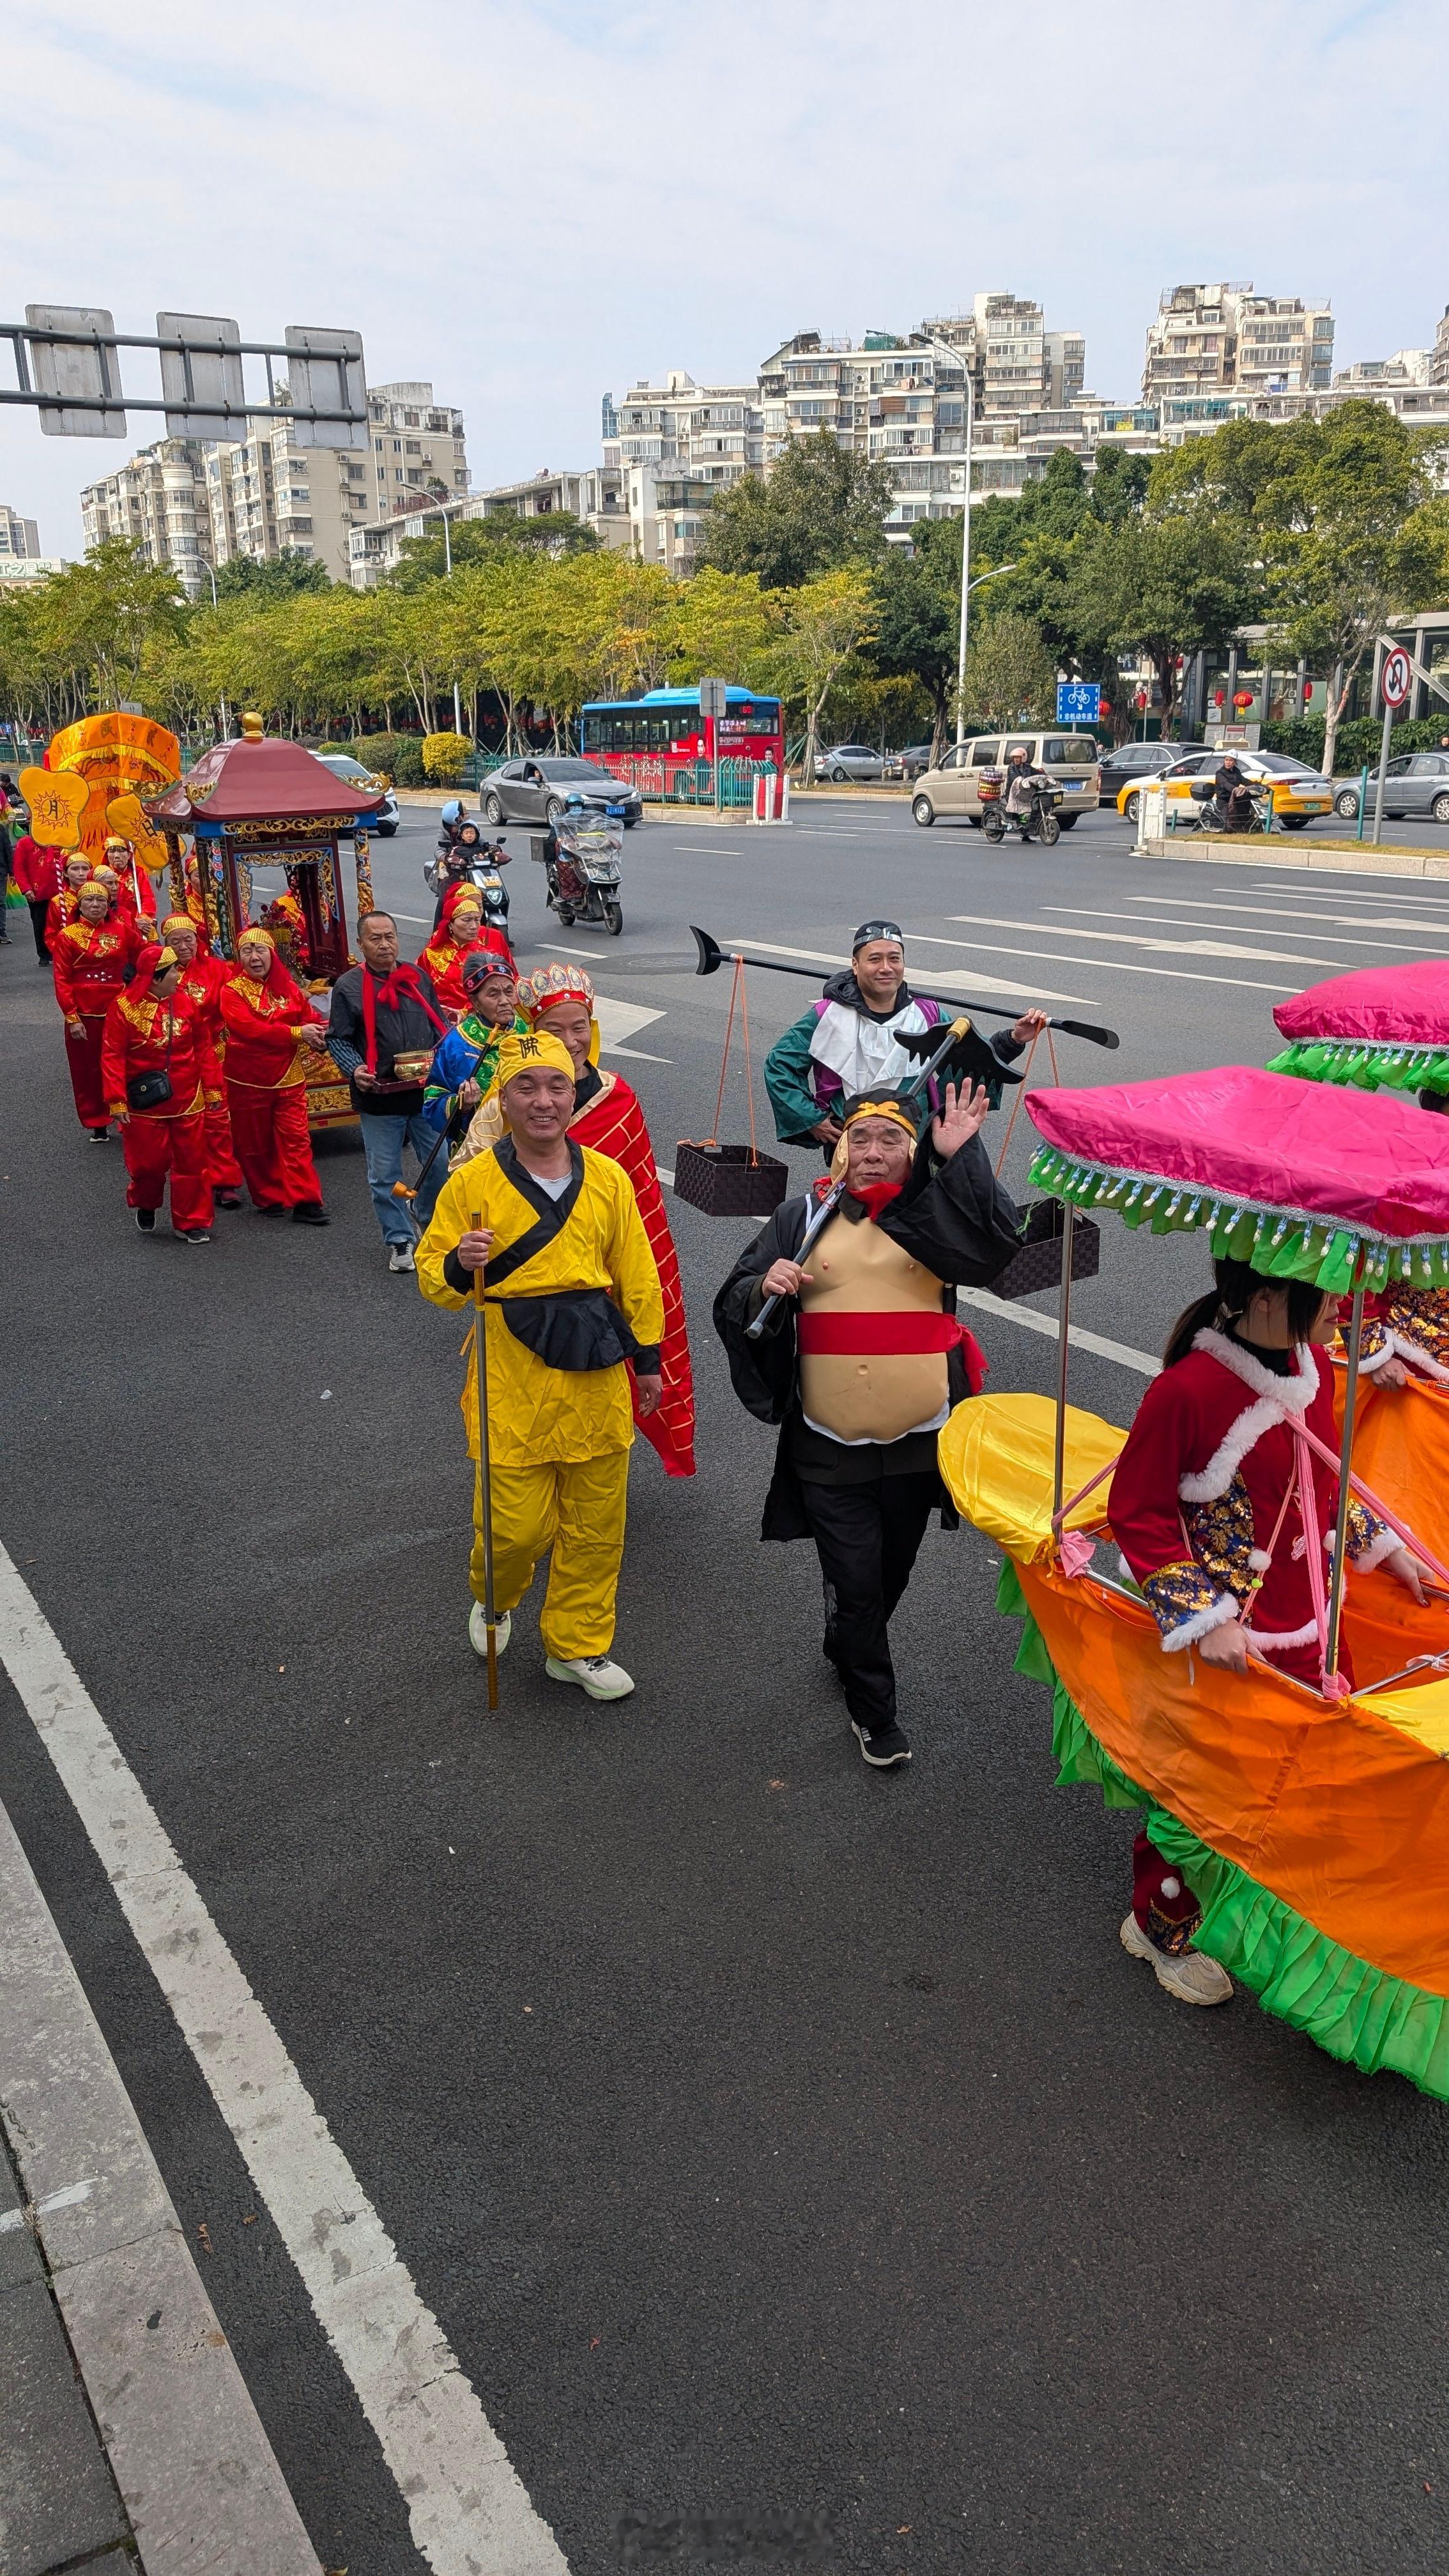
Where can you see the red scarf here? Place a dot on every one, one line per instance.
(392, 991)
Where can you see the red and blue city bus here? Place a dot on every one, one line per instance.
(663, 745)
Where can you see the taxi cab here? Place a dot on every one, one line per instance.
(1299, 795)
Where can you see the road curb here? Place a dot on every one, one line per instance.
(197, 2476)
(1210, 849)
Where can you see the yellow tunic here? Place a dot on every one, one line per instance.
(538, 1414)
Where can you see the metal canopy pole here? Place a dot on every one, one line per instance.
(1064, 1323)
(1340, 1541)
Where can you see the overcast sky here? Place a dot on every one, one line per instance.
(530, 203)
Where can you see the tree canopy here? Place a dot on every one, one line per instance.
(822, 507)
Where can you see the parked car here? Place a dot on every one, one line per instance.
(914, 761)
(1417, 783)
(1299, 795)
(342, 765)
(848, 763)
(534, 790)
(1131, 762)
(954, 787)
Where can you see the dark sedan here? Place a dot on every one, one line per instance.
(1132, 761)
(533, 791)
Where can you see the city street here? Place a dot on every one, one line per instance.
(766, 2136)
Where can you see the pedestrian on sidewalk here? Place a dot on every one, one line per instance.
(382, 1035)
(270, 1029)
(161, 1073)
(38, 874)
(89, 962)
(862, 1361)
(571, 1293)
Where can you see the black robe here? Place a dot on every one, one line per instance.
(954, 1218)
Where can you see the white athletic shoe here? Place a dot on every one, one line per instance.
(478, 1630)
(594, 1673)
(1188, 1974)
(400, 1257)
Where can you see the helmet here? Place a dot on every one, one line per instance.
(452, 810)
(574, 802)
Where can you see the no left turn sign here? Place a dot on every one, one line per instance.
(1396, 677)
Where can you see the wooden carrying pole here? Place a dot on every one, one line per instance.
(483, 1475)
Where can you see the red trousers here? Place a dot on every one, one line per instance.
(83, 1055)
(222, 1168)
(273, 1143)
(155, 1146)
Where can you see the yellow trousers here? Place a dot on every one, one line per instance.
(577, 1509)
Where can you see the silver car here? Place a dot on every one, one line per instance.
(849, 763)
(342, 765)
(1416, 783)
(534, 790)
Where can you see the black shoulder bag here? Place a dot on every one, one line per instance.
(148, 1090)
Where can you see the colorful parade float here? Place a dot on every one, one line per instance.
(1312, 1823)
(263, 802)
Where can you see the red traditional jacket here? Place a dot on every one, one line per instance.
(261, 1023)
(613, 1123)
(1204, 1505)
(442, 962)
(201, 982)
(89, 961)
(140, 1036)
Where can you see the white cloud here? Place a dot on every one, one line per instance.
(529, 203)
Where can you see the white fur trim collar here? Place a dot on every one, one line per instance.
(1277, 1399)
(1188, 1631)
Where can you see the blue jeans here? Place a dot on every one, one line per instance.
(383, 1139)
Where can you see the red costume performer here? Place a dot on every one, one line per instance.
(138, 894)
(144, 1035)
(609, 1118)
(65, 903)
(202, 977)
(89, 961)
(266, 1082)
(442, 959)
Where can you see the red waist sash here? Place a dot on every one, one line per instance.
(870, 1333)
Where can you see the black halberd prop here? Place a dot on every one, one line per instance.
(712, 957)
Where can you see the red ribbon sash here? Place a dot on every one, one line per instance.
(852, 1336)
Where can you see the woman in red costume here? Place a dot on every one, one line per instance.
(457, 936)
(202, 977)
(1227, 1523)
(138, 894)
(155, 1034)
(89, 961)
(66, 903)
(608, 1117)
(269, 1024)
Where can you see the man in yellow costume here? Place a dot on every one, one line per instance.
(570, 1298)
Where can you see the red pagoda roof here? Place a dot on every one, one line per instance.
(258, 779)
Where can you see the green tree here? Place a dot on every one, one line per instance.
(1163, 586)
(822, 506)
(473, 542)
(1010, 673)
(917, 617)
(275, 577)
(827, 622)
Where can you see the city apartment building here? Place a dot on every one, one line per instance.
(195, 505)
(594, 495)
(1219, 339)
(1439, 354)
(19, 538)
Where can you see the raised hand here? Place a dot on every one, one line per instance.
(963, 1114)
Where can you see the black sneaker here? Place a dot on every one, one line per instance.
(195, 1233)
(274, 1207)
(145, 1220)
(884, 1748)
(310, 1212)
(99, 1135)
(229, 1198)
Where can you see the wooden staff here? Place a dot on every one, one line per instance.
(483, 1474)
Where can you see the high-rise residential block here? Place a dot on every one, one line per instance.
(1205, 340)
(158, 500)
(19, 538)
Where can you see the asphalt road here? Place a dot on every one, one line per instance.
(762, 2132)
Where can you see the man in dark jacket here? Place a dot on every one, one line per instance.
(862, 1361)
(384, 1027)
(1232, 795)
(849, 1041)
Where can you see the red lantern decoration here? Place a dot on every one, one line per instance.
(1244, 698)
(1218, 697)
(1307, 691)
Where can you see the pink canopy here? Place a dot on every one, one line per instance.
(1369, 1162)
(1388, 1005)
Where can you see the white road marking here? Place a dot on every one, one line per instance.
(1353, 894)
(1115, 966)
(468, 2510)
(1141, 1362)
(69, 2198)
(1163, 947)
(988, 983)
(1335, 922)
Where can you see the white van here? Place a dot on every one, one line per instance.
(1070, 760)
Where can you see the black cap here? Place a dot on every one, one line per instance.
(876, 930)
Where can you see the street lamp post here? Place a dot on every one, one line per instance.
(447, 571)
(965, 563)
(994, 575)
(210, 572)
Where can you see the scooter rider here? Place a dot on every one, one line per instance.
(1232, 795)
(458, 856)
(1021, 778)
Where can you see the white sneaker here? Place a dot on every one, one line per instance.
(478, 1630)
(1188, 1974)
(400, 1257)
(594, 1673)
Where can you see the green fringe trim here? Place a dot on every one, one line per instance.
(1282, 1243)
(1363, 2015)
(1369, 1064)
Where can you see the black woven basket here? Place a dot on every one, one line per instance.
(1039, 1262)
(729, 1180)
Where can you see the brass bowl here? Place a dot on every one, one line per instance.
(411, 1067)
